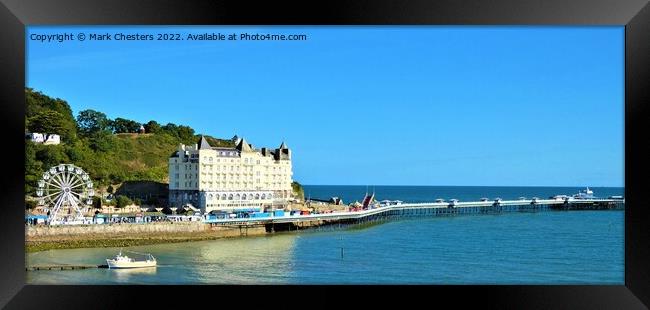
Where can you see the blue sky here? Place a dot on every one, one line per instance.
(514, 106)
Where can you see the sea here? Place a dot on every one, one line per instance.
(549, 247)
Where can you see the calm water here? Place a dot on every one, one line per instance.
(570, 247)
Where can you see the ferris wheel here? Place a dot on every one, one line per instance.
(65, 189)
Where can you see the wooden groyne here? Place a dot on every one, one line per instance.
(63, 267)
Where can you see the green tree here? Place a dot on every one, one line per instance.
(33, 168)
(76, 152)
(48, 121)
(110, 189)
(122, 201)
(102, 141)
(171, 129)
(297, 190)
(122, 125)
(152, 127)
(91, 122)
(186, 134)
(36, 102)
(50, 155)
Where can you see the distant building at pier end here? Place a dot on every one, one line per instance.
(229, 178)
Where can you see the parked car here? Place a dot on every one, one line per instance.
(484, 199)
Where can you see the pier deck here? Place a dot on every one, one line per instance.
(435, 208)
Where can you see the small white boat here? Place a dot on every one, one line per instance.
(123, 261)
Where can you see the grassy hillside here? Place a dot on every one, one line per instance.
(110, 157)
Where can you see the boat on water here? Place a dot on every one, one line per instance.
(123, 261)
(585, 194)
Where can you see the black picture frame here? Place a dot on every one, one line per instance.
(635, 15)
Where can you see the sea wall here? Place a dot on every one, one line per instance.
(115, 229)
(40, 238)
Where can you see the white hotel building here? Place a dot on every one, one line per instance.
(229, 179)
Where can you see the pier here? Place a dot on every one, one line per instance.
(420, 210)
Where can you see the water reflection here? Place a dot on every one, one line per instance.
(125, 274)
(245, 261)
